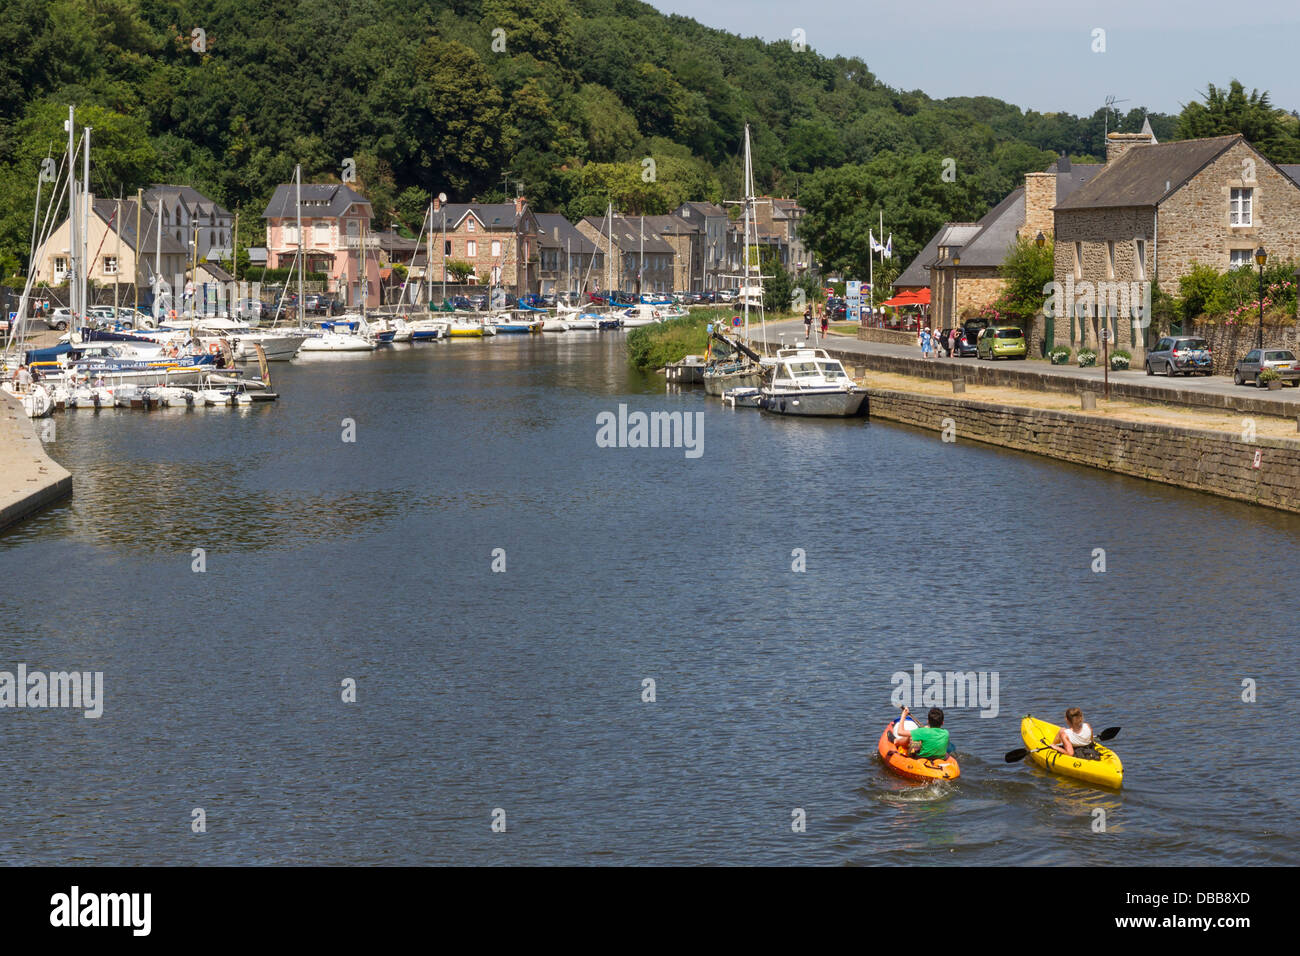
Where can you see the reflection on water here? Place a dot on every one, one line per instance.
(372, 560)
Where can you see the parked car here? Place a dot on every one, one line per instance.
(250, 310)
(968, 343)
(726, 295)
(1180, 355)
(1002, 342)
(478, 301)
(944, 340)
(1282, 361)
(59, 319)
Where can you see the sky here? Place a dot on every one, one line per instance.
(1038, 54)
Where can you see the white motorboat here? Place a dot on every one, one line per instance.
(642, 314)
(36, 399)
(342, 335)
(809, 382)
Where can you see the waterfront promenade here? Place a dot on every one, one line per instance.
(29, 479)
(1211, 392)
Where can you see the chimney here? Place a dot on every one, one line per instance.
(1119, 143)
(1040, 200)
(519, 205)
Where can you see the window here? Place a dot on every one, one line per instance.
(60, 267)
(471, 248)
(291, 234)
(322, 233)
(1141, 270)
(1240, 206)
(1110, 259)
(1078, 260)
(496, 248)
(1240, 257)
(446, 247)
(110, 265)
(469, 224)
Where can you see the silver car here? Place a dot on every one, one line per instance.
(1282, 361)
(1180, 355)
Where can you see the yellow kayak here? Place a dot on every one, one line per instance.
(1038, 734)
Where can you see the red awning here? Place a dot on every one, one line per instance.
(910, 297)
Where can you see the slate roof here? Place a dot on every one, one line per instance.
(1292, 170)
(1145, 175)
(320, 201)
(702, 209)
(194, 200)
(106, 208)
(670, 225)
(495, 216)
(917, 275)
(627, 234)
(556, 232)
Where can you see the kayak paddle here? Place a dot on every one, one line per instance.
(1110, 733)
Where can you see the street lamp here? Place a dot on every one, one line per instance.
(1260, 258)
(1040, 240)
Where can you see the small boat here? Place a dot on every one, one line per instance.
(642, 314)
(507, 324)
(742, 397)
(686, 371)
(809, 382)
(925, 770)
(607, 323)
(1038, 735)
(340, 336)
(37, 400)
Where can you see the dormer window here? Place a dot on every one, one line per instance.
(469, 224)
(1240, 206)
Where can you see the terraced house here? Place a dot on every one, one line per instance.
(499, 240)
(1154, 211)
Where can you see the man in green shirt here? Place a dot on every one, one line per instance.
(928, 743)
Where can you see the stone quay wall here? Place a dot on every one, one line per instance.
(29, 479)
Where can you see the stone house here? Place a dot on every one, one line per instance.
(569, 261)
(120, 256)
(190, 215)
(688, 245)
(500, 240)
(1154, 211)
(963, 261)
(336, 238)
(640, 261)
(711, 221)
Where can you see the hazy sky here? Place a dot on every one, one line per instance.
(1038, 54)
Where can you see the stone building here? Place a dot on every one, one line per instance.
(640, 261)
(711, 220)
(336, 238)
(688, 245)
(569, 262)
(1154, 211)
(500, 240)
(962, 263)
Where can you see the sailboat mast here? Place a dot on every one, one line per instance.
(74, 260)
(748, 202)
(297, 172)
(85, 231)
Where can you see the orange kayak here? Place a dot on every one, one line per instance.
(915, 768)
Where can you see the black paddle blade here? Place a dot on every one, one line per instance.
(1015, 755)
(1110, 733)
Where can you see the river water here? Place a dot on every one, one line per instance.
(523, 691)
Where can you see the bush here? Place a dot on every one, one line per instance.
(1120, 360)
(1087, 358)
(654, 346)
(1059, 354)
(1269, 375)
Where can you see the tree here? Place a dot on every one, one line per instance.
(459, 270)
(778, 288)
(1231, 111)
(1028, 270)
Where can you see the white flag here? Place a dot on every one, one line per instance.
(888, 250)
(875, 246)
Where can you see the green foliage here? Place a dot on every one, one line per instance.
(1234, 296)
(1087, 358)
(777, 289)
(1269, 375)
(654, 346)
(1272, 131)
(1028, 270)
(459, 270)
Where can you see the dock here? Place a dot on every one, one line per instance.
(29, 479)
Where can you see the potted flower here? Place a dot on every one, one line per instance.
(1119, 360)
(1087, 358)
(1270, 377)
(1059, 354)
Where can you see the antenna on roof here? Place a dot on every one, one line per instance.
(1110, 107)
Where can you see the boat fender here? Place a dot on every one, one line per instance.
(213, 348)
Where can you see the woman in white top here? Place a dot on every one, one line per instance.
(1074, 734)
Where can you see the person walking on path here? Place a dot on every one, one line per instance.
(826, 322)
(926, 343)
(807, 322)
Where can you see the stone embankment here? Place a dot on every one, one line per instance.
(1264, 471)
(29, 479)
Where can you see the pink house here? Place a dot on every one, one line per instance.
(336, 234)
